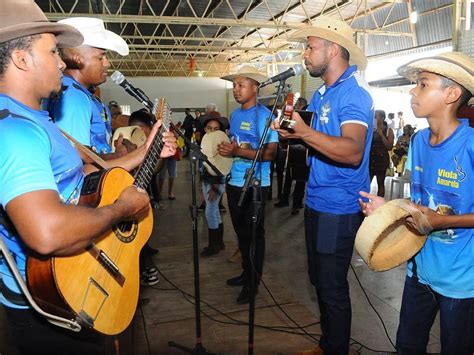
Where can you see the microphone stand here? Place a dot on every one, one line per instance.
(251, 180)
(195, 154)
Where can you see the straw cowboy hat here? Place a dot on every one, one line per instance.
(209, 144)
(335, 31)
(95, 34)
(21, 18)
(247, 72)
(385, 241)
(214, 115)
(453, 65)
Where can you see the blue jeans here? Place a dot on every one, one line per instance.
(329, 246)
(420, 304)
(213, 215)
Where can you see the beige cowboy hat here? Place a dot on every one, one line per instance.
(385, 241)
(95, 34)
(21, 18)
(335, 31)
(247, 72)
(456, 66)
(209, 144)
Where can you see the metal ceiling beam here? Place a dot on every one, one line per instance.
(177, 20)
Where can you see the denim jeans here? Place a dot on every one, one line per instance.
(329, 246)
(420, 304)
(213, 215)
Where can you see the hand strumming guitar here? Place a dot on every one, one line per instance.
(299, 131)
(135, 202)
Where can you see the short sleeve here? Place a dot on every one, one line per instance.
(356, 106)
(72, 113)
(25, 160)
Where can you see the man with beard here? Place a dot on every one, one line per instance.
(247, 124)
(77, 110)
(41, 175)
(340, 136)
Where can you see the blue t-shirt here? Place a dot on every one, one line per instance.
(34, 156)
(246, 127)
(83, 116)
(442, 178)
(334, 187)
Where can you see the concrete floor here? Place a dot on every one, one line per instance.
(167, 314)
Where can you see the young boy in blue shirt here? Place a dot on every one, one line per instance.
(441, 276)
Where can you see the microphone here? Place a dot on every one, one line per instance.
(119, 79)
(295, 71)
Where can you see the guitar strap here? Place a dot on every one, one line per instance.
(89, 153)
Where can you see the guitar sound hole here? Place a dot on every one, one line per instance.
(126, 231)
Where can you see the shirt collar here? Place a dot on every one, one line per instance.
(348, 73)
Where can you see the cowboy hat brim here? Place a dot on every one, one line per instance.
(66, 36)
(259, 78)
(449, 66)
(357, 56)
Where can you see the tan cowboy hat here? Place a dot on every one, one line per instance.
(133, 133)
(21, 18)
(385, 241)
(247, 72)
(456, 66)
(209, 144)
(95, 34)
(335, 31)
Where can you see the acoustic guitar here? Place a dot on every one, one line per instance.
(298, 150)
(99, 287)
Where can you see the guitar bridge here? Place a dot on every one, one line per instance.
(107, 264)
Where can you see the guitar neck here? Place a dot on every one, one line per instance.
(147, 168)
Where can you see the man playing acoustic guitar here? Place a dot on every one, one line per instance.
(41, 175)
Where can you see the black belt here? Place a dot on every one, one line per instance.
(11, 296)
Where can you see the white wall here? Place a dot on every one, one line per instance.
(179, 92)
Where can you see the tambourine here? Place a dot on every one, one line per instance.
(209, 144)
(384, 240)
(132, 133)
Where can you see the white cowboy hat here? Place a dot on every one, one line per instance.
(247, 72)
(456, 66)
(95, 34)
(385, 241)
(21, 18)
(209, 144)
(335, 31)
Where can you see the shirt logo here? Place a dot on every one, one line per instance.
(324, 118)
(245, 126)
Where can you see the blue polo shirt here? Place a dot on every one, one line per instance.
(442, 178)
(334, 187)
(246, 127)
(83, 116)
(34, 156)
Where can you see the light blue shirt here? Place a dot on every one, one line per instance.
(442, 178)
(246, 127)
(34, 155)
(333, 187)
(83, 116)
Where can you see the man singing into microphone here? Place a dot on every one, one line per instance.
(247, 124)
(340, 134)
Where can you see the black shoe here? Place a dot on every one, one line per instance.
(237, 281)
(295, 211)
(244, 295)
(150, 251)
(222, 208)
(281, 204)
(202, 207)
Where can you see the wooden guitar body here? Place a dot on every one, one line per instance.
(99, 286)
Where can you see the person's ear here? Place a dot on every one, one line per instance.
(454, 93)
(21, 59)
